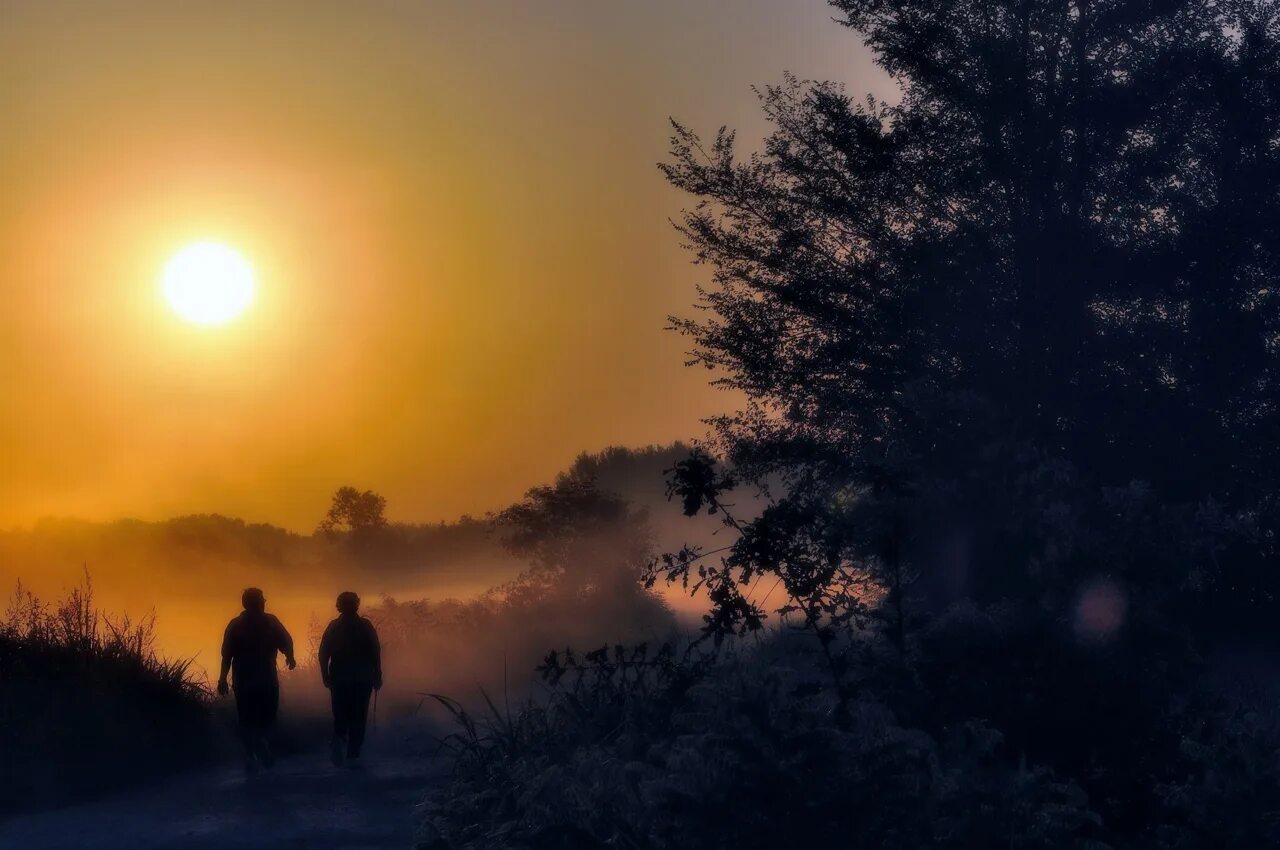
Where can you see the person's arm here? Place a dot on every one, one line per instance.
(284, 643)
(326, 653)
(377, 657)
(227, 653)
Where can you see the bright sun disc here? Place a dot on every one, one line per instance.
(208, 283)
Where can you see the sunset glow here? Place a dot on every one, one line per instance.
(436, 307)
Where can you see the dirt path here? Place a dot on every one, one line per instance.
(303, 803)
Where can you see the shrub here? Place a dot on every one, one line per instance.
(632, 749)
(86, 703)
(1227, 792)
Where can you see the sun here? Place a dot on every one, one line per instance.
(208, 283)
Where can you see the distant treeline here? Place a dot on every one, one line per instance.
(206, 550)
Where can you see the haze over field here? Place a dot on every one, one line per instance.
(189, 571)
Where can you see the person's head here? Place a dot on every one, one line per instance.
(253, 600)
(348, 602)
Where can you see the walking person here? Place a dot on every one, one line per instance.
(351, 668)
(249, 647)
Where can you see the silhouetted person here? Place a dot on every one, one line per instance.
(249, 648)
(351, 667)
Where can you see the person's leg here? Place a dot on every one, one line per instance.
(341, 723)
(359, 708)
(268, 707)
(246, 718)
(340, 719)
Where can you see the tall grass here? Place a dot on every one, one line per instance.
(519, 772)
(87, 703)
(730, 751)
(611, 693)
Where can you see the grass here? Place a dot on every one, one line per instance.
(86, 702)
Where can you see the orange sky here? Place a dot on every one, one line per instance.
(461, 242)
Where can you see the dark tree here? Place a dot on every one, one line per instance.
(578, 536)
(1013, 333)
(360, 514)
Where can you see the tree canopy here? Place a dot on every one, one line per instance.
(1015, 331)
(356, 512)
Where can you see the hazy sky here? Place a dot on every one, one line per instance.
(462, 248)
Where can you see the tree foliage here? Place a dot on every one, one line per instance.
(358, 513)
(580, 540)
(974, 325)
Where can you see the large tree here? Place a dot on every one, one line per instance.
(1017, 324)
(359, 514)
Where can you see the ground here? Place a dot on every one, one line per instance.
(303, 803)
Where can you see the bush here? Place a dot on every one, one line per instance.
(1227, 790)
(86, 703)
(630, 749)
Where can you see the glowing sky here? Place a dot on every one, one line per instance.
(460, 241)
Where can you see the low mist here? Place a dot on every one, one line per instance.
(462, 605)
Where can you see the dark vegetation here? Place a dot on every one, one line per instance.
(1009, 349)
(87, 705)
